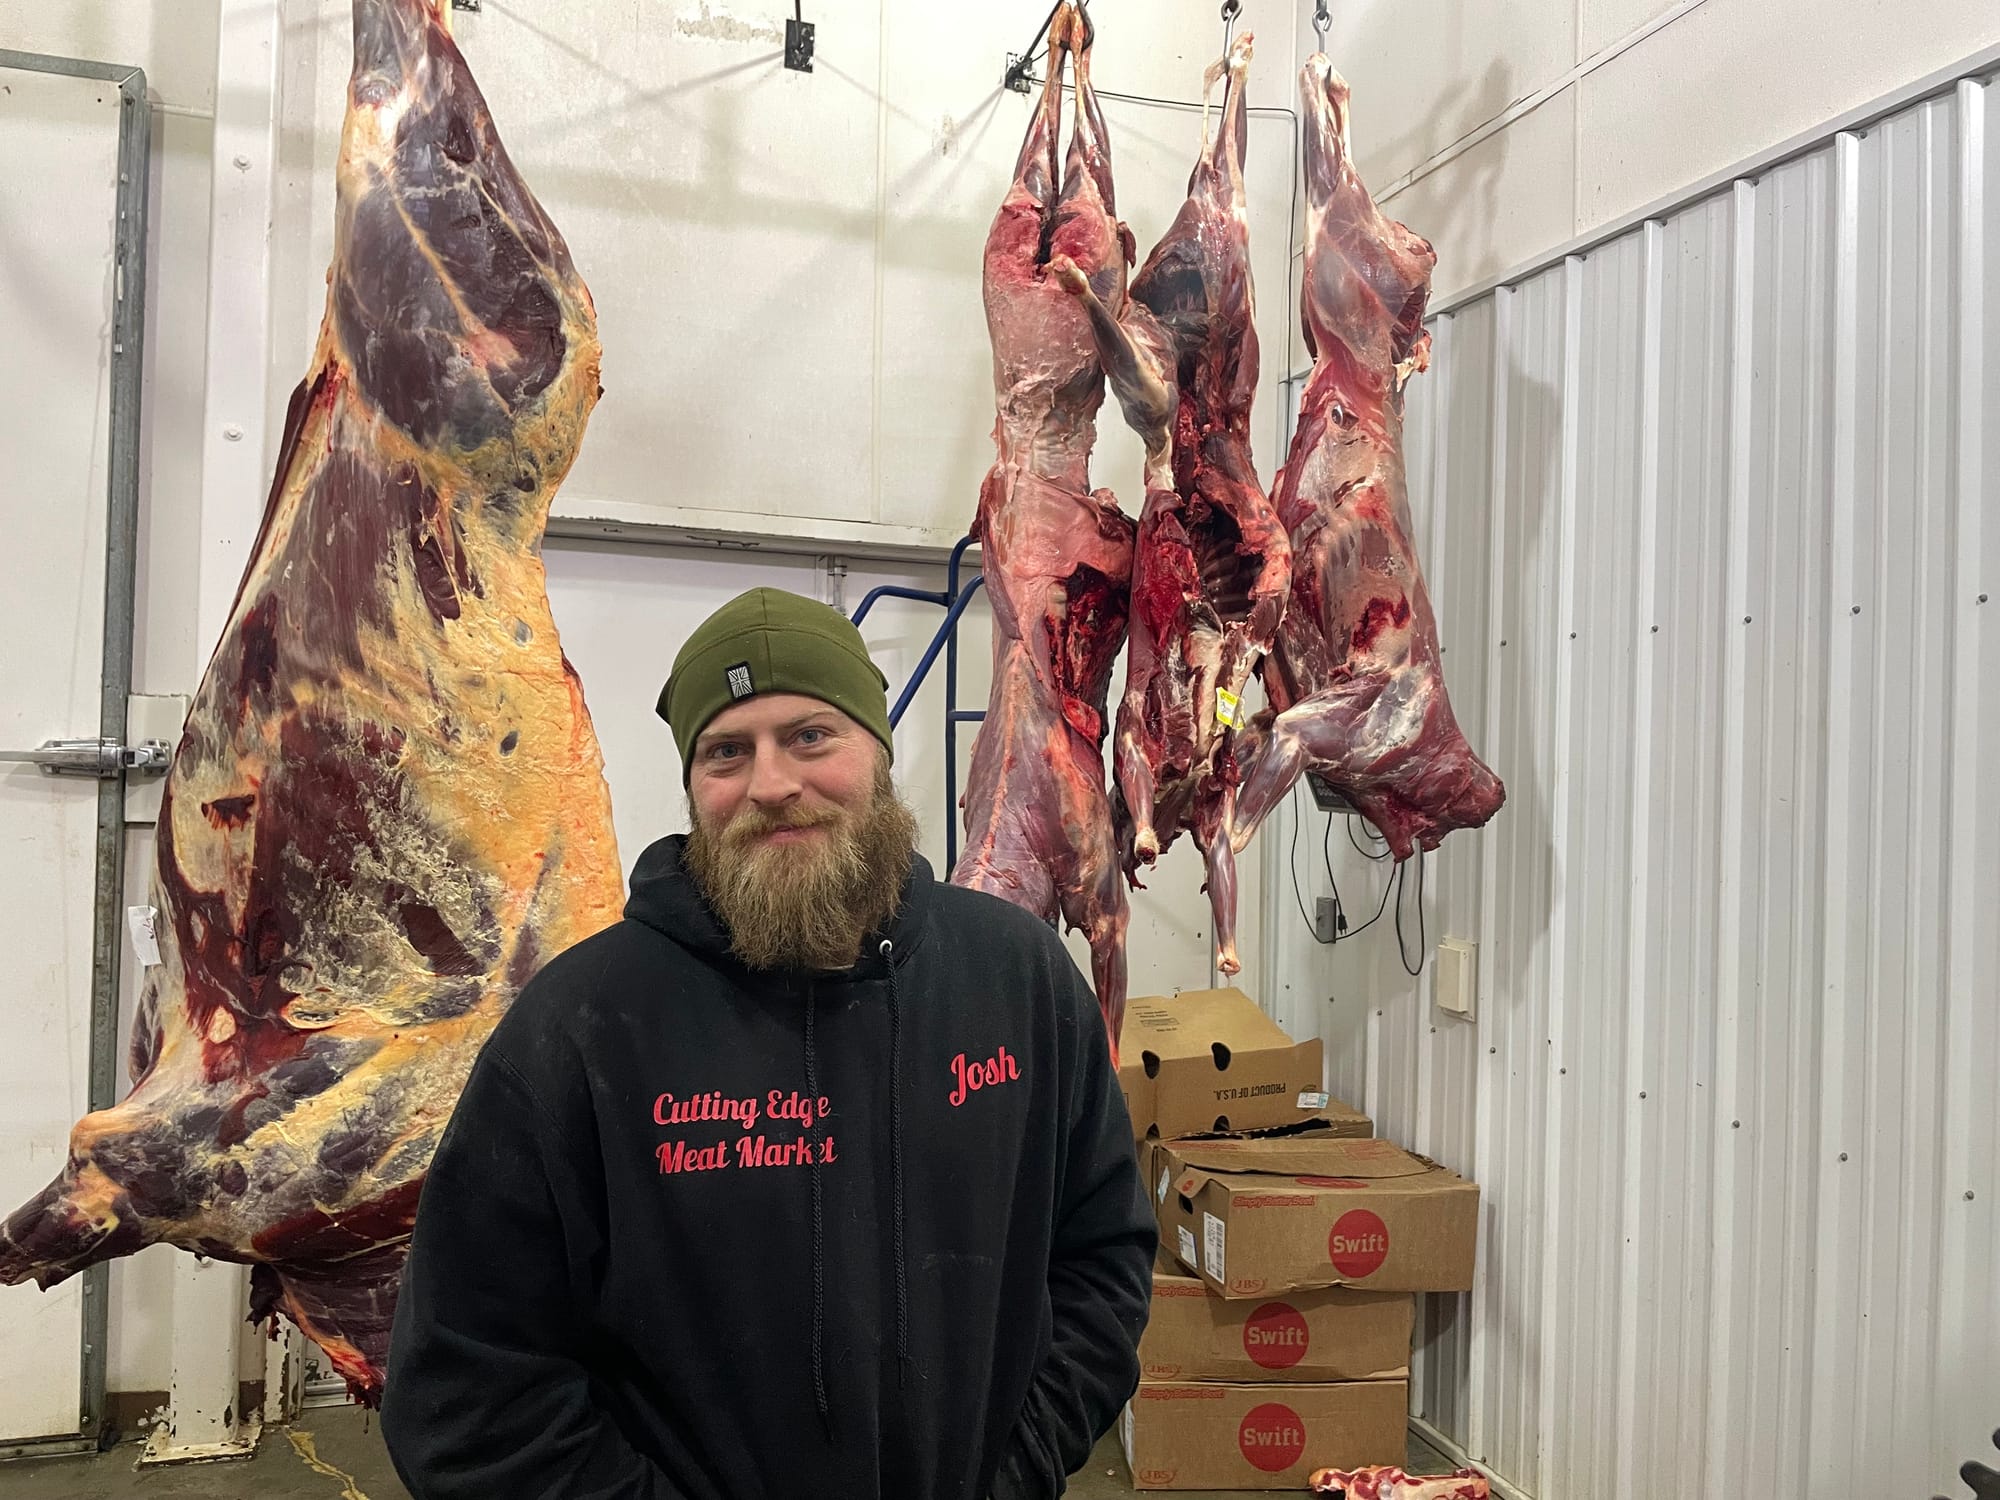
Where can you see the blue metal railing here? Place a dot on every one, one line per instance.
(952, 600)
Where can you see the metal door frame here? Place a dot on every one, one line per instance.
(128, 334)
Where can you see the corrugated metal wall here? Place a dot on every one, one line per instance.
(1711, 515)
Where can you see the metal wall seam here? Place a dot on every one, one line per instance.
(1831, 1366)
(1906, 1156)
(1560, 1208)
(1968, 1352)
(1773, 1237)
(1642, 824)
(1428, 399)
(1478, 1430)
(1457, 562)
(1583, 1070)
(1738, 928)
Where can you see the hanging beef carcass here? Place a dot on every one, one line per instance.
(1057, 555)
(388, 805)
(1212, 565)
(1355, 684)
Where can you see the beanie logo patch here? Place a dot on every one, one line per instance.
(738, 678)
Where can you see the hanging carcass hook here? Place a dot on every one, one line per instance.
(1321, 21)
(1230, 10)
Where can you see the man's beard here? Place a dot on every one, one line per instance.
(806, 905)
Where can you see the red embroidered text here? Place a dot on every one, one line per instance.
(971, 1077)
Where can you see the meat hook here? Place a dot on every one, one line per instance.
(1230, 10)
(1321, 21)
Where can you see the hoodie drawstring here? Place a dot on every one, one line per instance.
(888, 951)
(819, 1227)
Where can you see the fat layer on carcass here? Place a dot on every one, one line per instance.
(1355, 683)
(388, 805)
(1057, 555)
(1213, 565)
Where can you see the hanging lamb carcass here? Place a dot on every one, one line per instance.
(1213, 565)
(1355, 682)
(1057, 555)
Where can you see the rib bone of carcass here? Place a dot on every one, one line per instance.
(388, 805)
(1213, 565)
(1392, 1483)
(1355, 683)
(1057, 555)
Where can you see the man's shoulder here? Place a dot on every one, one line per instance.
(575, 983)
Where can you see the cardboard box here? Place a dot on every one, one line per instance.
(1330, 1335)
(1184, 1435)
(1211, 1060)
(1260, 1217)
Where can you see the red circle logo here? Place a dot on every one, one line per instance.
(1276, 1336)
(1272, 1437)
(1358, 1244)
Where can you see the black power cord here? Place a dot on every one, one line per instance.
(1394, 885)
(1341, 931)
(1366, 853)
(1423, 937)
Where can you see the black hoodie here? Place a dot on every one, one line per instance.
(700, 1233)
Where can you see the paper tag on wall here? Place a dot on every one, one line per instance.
(1312, 1099)
(141, 922)
(1187, 1248)
(1211, 1246)
(1226, 704)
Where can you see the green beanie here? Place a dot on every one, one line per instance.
(769, 641)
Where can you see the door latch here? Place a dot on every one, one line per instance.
(100, 758)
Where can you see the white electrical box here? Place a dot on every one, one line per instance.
(1456, 983)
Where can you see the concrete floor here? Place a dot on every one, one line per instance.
(336, 1453)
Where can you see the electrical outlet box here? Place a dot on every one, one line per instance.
(1326, 919)
(1456, 979)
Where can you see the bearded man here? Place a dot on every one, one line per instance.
(811, 1176)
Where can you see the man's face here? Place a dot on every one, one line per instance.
(793, 761)
(799, 841)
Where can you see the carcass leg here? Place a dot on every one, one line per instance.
(1135, 779)
(1095, 904)
(1004, 789)
(1037, 171)
(1221, 856)
(1134, 363)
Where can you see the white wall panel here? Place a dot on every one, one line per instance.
(1709, 513)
